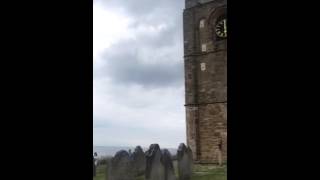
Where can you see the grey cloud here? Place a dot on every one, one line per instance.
(152, 12)
(145, 7)
(125, 59)
(124, 66)
(167, 37)
(152, 60)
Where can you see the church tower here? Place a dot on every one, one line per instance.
(205, 63)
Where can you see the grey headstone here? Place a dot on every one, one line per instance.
(139, 161)
(120, 167)
(154, 168)
(94, 168)
(166, 160)
(185, 162)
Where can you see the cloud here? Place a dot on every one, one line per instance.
(103, 35)
(134, 63)
(131, 115)
(145, 8)
(138, 73)
(138, 106)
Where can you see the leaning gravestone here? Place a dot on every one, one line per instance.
(154, 168)
(185, 162)
(139, 161)
(120, 167)
(166, 160)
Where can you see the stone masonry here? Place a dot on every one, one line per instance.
(205, 61)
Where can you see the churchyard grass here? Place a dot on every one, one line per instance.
(200, 173)
(101, 172)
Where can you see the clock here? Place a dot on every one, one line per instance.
(221, 28)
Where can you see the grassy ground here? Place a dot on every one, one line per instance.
(101, 173)
(201, 172)
(209, 173)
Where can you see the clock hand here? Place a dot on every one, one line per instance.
(225, 26)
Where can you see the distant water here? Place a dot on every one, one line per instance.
(112, 150)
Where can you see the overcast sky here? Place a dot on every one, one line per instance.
(138, 84)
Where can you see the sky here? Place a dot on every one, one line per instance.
(138, 75)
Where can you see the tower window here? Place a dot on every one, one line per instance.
(203, 47)
(201, 24)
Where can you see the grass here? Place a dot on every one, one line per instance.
(101, 173)
(201, 172)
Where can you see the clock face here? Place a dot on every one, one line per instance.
(221, 28)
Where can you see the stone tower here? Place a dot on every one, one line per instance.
(205, 61)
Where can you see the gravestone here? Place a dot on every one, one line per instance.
(166, 160)
(139, 161)
(185, 162)
(94, 168)
(154, 168)
(120, 167)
